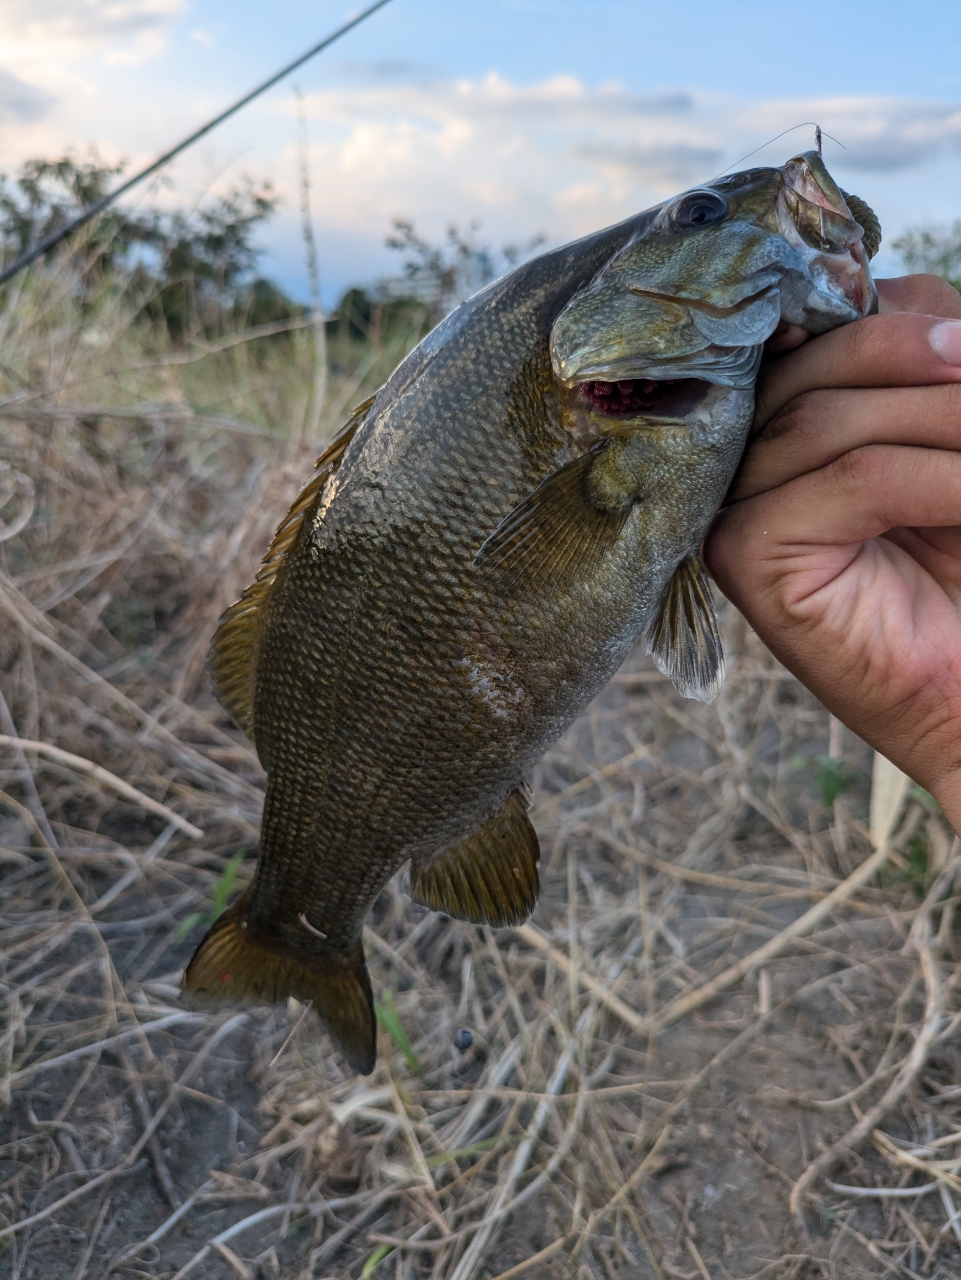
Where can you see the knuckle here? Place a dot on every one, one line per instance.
(881, 349)
(802, 418)
(867, 467)
(931, 295)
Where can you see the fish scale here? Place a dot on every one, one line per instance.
(478, 552)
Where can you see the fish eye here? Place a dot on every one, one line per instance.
(699, 209)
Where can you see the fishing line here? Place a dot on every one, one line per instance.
(806, 124)
(55, 237)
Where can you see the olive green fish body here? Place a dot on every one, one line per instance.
(390, 614)
(475, 558)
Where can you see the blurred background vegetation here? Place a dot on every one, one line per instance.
(934, 249)
(170, 306)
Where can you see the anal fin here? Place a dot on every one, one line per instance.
(489, 878)
(555, 536)
(233, 965)
(683, 638)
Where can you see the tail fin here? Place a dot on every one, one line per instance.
(232, 965)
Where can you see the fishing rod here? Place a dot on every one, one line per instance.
(55, 237)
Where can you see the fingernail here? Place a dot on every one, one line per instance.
(945, 339)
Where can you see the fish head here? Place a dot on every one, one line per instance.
(673, 326)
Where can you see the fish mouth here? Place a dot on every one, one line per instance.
(637, 397)
(814, 217)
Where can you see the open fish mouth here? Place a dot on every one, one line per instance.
(633, 397)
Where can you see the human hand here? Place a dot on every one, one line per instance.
(842, 541)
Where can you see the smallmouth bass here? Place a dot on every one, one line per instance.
(478, 551)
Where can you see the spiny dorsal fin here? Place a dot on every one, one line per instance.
(556, 536)
(683, 637)
(232, 964)
(489, 878)
(231, 658)
(867, 220)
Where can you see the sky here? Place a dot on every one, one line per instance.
(530, 117)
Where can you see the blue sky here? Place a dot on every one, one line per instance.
(532, 116)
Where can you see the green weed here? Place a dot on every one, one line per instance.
(389, 1019)
(375, 1259)
(831, 777)
(221, 894)
(916, 853)
(461, 1153)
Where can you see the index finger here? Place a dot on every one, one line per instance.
(901, 349)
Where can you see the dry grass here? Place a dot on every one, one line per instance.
(669, 1076)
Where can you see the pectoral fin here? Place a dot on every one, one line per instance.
(557, 535)
(489, 878)
(683, 638)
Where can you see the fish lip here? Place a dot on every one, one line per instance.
(626, 368)
(806, 182)
(702, 304)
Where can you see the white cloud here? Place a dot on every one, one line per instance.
(52, 59)
(679, 164)
(21, 102)
(551, 153)
(43, 33)
(564, 158)
(881, 134)
(396, 138)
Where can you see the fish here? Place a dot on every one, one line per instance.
(479, 549)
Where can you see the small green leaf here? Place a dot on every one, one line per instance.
(375, 1259)
(186, 925)
(389, 1019)
(924, 798)
(832, 778)
(224, 886)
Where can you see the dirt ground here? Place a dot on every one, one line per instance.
(658, 1061)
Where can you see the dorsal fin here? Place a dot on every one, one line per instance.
(867, 220)
(231, 659)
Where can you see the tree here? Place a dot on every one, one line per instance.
(205, 261)
(194, 267)
(47, 194)
(935, 249)
(442, 276)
